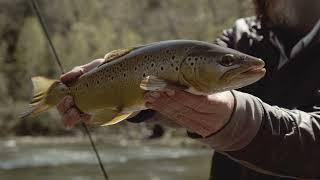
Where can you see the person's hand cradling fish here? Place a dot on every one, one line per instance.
(203, 115)
(67, 109)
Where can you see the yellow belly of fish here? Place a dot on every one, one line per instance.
(111, 105)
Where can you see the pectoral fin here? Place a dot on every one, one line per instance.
(153, 83)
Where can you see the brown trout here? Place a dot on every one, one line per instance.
(114, 90)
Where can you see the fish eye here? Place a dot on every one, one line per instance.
(227, 60)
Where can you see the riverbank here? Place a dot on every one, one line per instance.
(72, 158)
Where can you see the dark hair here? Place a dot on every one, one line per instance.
(260, 7)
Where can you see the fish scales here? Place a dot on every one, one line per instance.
(118, 83)
(114, 90)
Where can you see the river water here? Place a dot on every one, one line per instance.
(76, 161)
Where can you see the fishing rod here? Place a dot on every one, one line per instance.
(36, 9)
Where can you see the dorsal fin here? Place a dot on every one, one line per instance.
(115, 54)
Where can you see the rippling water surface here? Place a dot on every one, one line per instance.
(76, 161)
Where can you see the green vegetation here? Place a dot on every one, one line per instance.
(83, 30)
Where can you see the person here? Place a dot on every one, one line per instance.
(267, 130)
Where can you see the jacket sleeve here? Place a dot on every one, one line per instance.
(271, 139)
(242, 35)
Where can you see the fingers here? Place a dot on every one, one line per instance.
(72, 75)
(67, 109)
(186, 99)
(165, 104)
(161, 119)
(211, 114)
(93, 64)
(200, 103)
(65, 104)
(182, 115)
(77, 71)
(71, 117)
(70, 114)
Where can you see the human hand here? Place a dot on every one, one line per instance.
(71, 115)
(203, 115)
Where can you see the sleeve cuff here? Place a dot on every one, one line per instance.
(242, 127)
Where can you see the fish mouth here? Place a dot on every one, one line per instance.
(251, 73)
(255, 66)
(255, 70)
(238, 78)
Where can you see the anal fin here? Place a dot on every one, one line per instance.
(103, 115)
(116, 119)
(108, 116)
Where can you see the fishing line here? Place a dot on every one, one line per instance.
(35, 7)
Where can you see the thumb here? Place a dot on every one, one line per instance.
(72, 75)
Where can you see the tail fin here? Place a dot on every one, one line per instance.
(44, 96)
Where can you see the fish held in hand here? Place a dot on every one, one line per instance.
(114, 90)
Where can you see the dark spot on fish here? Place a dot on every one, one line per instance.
(152, 65)
(177, 68)
(145, 57)
(87, 85)
(192, 64)
(171, 64)
(173, 57)
(196, 59)
(135, 68)
(189, 59)
(144, 75)
(112, 78)
(161, 68)
(98, 82)
(124, 75)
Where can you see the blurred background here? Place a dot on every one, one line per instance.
(82, 30)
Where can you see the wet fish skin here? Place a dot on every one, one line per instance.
(114, 90)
